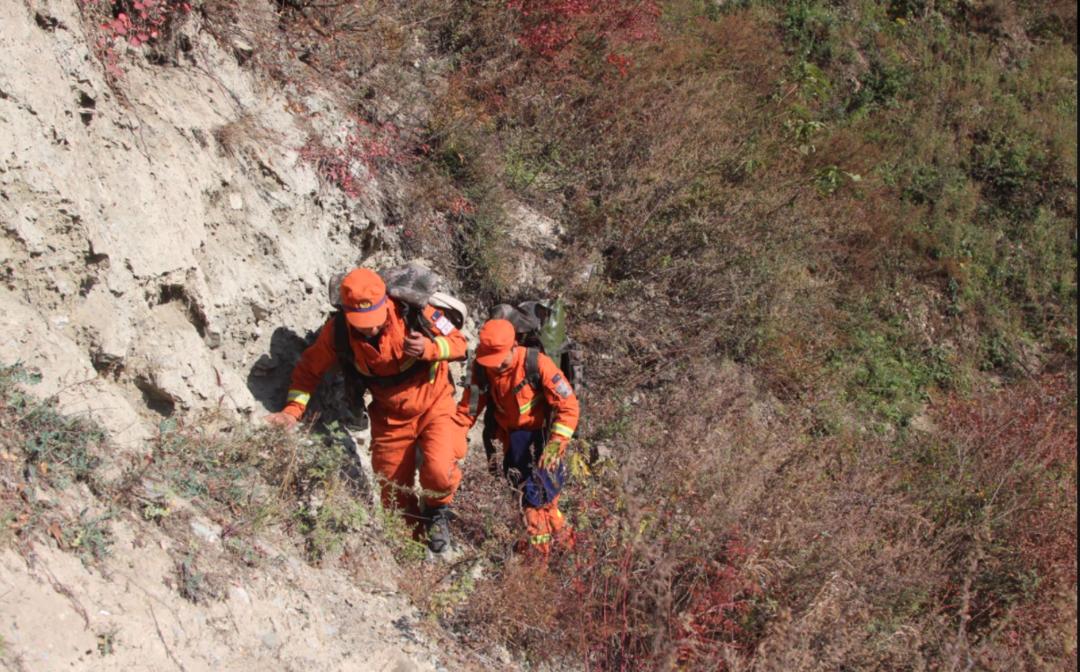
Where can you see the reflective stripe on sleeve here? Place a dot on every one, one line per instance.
(562, 430)
(299, 396)
(444, 347)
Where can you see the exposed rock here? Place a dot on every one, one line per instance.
(532, 236)
(163, 251)
(142, 255)
(207, 531)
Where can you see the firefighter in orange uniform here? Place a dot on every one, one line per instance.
(536, 412)
(413, 396)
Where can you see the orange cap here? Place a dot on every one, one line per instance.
(363, 298)
(496, 339)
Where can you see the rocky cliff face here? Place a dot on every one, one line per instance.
(153, 245)
(163, 249)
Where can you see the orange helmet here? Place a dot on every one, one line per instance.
(363, 298)
(496, 339)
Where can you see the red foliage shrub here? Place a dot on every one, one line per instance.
(136, 22)
(364, 148)
(671, 596)
(1018, 448)
(717, 604)
(644, 587)
(552, 27)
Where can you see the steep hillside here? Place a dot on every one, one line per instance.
(820, 255)
(823, 255)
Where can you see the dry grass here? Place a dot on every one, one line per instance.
(242, 134)
(807, 194)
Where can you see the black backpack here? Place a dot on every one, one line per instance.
(542, 325)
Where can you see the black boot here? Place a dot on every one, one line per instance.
(439, 529)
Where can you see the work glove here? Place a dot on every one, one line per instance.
(549, 459)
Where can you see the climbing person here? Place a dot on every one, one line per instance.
(536, 413)
(400, 353)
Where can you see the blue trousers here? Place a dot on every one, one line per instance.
(538, 486)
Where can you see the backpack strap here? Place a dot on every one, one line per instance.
(415, 319)
(478, 384)
(532, 370)
(342, 347)
(532, 367)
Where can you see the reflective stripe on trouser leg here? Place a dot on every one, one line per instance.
(544, 524)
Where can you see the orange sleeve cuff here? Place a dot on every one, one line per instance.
(294, 409)
(431, 351)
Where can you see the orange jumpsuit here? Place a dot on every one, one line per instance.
(519, 407)
(419, 410)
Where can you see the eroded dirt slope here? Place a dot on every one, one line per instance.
(153, 247)
(162, 251)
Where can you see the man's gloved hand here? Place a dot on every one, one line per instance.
(549, 459)
(282, 419)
